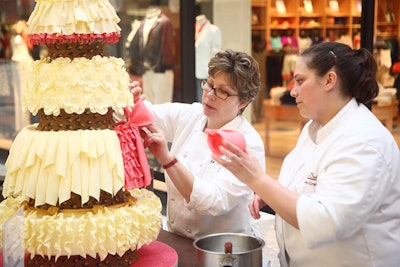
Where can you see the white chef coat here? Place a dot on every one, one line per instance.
(219, 201)
(207, 44)
(348, 177)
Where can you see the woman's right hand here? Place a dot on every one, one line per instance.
(155, 141)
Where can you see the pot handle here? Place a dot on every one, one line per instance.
(228, 247)
(228, 260)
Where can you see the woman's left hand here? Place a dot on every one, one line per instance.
(255, 206)
(136, 90)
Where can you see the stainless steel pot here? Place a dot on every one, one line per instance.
(229, 250)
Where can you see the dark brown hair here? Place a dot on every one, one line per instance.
(243, 72)
(356, 69)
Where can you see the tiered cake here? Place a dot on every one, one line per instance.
(68, 170)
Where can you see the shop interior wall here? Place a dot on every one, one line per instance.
(233, 18)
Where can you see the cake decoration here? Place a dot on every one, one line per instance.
(137, 170)
(80, 175)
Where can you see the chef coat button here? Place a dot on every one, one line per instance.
(189, 230)
(171, 221)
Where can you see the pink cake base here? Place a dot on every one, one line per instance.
(156, 254)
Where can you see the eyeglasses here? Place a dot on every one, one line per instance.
(218, 92)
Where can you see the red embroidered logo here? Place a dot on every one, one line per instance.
(311, 179)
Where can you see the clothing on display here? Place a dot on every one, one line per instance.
(289, 39)
(304, 43)
(276, 43)
(345, 39)
(151, 51)
(134, 28)
(289, 62)
(22, 62)
(274, 69)
(207, 44)
(316, 37)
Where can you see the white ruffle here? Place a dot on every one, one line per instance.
(74, 85)
(48, 165)
(112, 230)
(67, 17)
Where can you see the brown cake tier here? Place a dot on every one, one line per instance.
(127, 259)
(106, 199)
(84, 121)
(75, 50)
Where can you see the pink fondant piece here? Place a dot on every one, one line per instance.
(215, 137)
(137, 170)
(141, 114)
(44, 38)
(156, 254)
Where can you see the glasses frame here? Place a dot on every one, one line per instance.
(204, 84)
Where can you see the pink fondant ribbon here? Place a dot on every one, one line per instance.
(137, 170)
(54, 38)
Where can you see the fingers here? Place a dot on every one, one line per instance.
(134, 84)
(154, 135)
(233, 149)
(153, 129)
(254, 211)
(152, 138)
(151, 132)
(135, 89)
(144, 132)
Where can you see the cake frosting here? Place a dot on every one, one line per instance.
(79, 174)
(74, 85)
(98, 231)
(83, 162)
(54, 21)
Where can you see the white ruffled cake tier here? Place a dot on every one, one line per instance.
(106, 231)
(61, 18)
(48, 165)
(74, 85)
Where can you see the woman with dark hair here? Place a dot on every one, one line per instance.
(338, 195)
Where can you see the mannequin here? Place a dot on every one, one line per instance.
(134, 28)
(207, 44)
(22, 67)
(135, 25)
(151, 54)
(304, 41)
(20, 44)
(5, 55)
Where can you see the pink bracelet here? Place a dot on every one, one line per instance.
(170, 164)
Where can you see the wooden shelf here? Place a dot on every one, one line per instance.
(322, 18)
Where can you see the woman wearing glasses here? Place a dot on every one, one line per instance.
(202, 196)
(338, 195)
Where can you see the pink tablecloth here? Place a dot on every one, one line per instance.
(156, 254)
